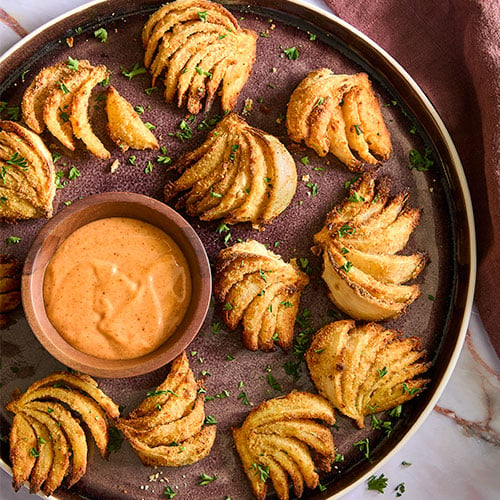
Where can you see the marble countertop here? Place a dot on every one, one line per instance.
(456, 452)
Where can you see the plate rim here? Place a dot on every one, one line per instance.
(456, 167)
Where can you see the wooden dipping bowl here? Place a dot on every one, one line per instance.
(101, 206)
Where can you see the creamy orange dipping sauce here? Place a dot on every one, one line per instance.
(117, 288)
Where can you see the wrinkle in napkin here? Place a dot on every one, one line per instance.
(452, 49)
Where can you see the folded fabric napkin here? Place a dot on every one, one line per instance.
(452, 49)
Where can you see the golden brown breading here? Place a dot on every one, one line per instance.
(45, 413)
(79, 113)
(10, 288)
(166, 429)
(239, 173)
(125, 127)
(27, 177)
(200, 47)
(58, 97)
(359, 242)
(258, 288)
(339, 114)
(276, 439)
(365, 369)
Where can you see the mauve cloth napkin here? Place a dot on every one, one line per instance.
(452, 49)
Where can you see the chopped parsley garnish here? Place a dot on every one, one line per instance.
(136, 70)
(185, 131)
(319, 351)
(382, 372)
(3, 199)
(400, 489)
(344, 251)
(151, 394)
(313, 187)
(216, 327)
(304, 160)
(347, 266)
(19, 161)
(228, 306)
(150, 90)
(273, 383)
(419, 162)
(210, 420)
(34, 452)
(262, 275)
(358, 130)
(205, 478)
(321, 487)
(244, 398)
(203, 16)
(347, 184)
(23, 74)
(63, 115)
(319, 102)
(222, 228)
(396, 412)
(150, 126)
(104, 82)
(355, 197)
(223, 395)
(220, 37)
(163, 159)
(3, 173)
(412, 391)
(346, 229)
(229, 357)
(14, 113)
(101, 34)
(292, 53)
(377, 483)
(115, 439)
(131, 159)
(339, 457)
(378, 424)
(72, 63)
(214, 194)
(169, 492)
(431, 297)
(201, 71)
(364, 447)
(292, 369)
(304, 264)
(73, 173)
(139, 109)
(63, 87)
(148, 168)
(263, 471)
(13, 240)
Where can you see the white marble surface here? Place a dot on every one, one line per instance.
(456, 452)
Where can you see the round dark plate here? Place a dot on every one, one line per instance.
(446, 231)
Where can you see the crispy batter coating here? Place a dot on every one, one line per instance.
(360, 242)
(27, 176)
(58, 97)
(365, 369)
(125, 127)
(339, 114)
(167, 428)
(10, 288)
(47, 441)
(239, 173)
(200, 47)
(276, 439)
(79, 113)
(259, 289)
